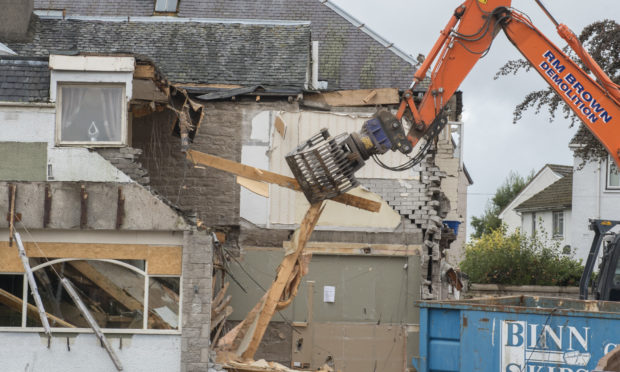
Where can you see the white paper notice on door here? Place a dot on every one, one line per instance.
(329, 293)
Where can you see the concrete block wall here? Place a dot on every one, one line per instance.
(197, 293)
(421, 203)
(126, 160)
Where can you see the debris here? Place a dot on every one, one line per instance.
(257, 187)
(91, 321)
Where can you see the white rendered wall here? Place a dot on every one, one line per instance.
(28, 352)
(544, 222)
(591, 200)
(36, 123)
(511, 218)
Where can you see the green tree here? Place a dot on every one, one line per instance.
(489, 221)
(602, 41)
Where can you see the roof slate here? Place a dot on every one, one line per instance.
(564, 170)
(24, 80)
(349, 57)
(186, 52)
(558, 195)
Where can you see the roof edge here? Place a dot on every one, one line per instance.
(368, 31)
(162, 19)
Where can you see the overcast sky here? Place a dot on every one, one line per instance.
(493, 145)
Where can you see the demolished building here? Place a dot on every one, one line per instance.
(245, 90)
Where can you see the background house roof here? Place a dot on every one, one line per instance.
(351, 55)
(559, 195)
(186, 52)
(24, 79)
(563, 170)
(560, 170)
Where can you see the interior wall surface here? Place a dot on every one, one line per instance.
(28, 352)
(367, 288)
(351, 347)
(373, 306)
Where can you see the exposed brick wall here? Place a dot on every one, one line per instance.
(213, 195)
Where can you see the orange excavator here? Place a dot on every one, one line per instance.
(325, 166)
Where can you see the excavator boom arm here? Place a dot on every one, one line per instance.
(469, 35)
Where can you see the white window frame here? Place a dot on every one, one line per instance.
(123, 108)
(143, 330)
(554, 219)
(166, 5)
(610, 164)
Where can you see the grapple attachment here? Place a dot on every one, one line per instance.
(325, 166)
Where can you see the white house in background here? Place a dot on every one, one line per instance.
(596, 194)
(545, 177)
(549, 211)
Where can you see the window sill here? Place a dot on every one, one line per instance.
(91, 144)
(111, 331)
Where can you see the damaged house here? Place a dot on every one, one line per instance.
(99, 107)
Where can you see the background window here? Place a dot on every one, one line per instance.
(558, 224)
(613, 175)
(168, 6)
(91, 114)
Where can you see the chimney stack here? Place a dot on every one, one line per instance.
(15, 18)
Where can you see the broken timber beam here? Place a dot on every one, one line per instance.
(358, 97)
(16, 304)
(251, 340)
(257, 174)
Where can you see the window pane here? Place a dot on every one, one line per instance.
(113, 294)
(613, 176)
(558, 224)
(166, 6)
(164, 303)
(91, 113)
(11, 289)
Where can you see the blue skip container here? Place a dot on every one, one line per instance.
(516, 334)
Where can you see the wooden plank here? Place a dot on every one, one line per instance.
(257, 174)
(16, 303)
(220, 317)
(257, 187)
(301, 236)
(359, 97)
(107, 285)
(162, 260)
(360, 249)
(280, 126)
(220, 295)
(144, 72)
(146, 90)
